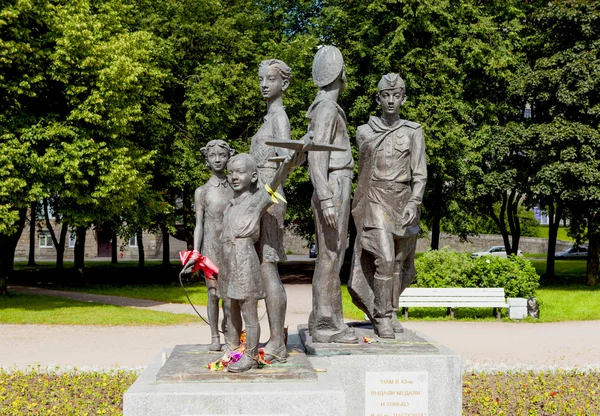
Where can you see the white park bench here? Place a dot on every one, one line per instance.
(452, 298)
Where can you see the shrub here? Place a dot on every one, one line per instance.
(442, 268)
(448, 268)
(516, 275)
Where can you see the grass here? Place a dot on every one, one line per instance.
(44, 310)
(567, 271)
(563, 298)
(51, 392)
(562, 233)
(170, 293)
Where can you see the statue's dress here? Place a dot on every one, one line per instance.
(270, 242)
(214, 197)
(240, 277)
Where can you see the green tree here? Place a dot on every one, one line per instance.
(562, 84)
(455, 58)
(24, 92)
(212, 54)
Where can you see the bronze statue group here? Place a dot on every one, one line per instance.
(240, 215)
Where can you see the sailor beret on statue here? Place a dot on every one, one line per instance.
(390, 82)
(327, 65)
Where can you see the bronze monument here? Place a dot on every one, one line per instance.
(391, 182)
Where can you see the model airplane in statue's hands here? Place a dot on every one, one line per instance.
(303, 145)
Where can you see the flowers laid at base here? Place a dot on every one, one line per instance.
(235, 355)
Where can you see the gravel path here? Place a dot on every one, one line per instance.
(482, 345)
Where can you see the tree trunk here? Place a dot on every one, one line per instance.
(32, 226)
(59, 244)
(140, 244)
(166, 247)
(60, 247)
(188, 214)
(593, 250)
(436, 218)
(499, 220)
(435, 230)
(8, 245)
(554, 219)
(79, 251)
(513, 221)
(114, 255)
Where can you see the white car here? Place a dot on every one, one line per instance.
(498, 251)
(574, 253)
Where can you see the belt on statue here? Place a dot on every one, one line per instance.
(392, 185)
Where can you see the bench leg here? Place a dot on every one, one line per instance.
(452, 313)
(498, 313)
(405, 311)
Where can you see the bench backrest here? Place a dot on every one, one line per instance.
(414, 295)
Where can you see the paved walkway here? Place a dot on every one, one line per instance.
(493, 345)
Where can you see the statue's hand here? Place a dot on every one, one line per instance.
(189, 266)
(410, 213)
(330, 215)
(295, 159)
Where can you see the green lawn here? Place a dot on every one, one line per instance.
(562, 233)
(34, 309)
(564, 298)
(566, 271)
(171, 293)
(561, 299)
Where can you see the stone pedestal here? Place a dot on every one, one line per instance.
(173, 385)
(410, 375)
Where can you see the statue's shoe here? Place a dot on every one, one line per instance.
(347, 336)
(383, 328)
(277, 356)
(215, 345)
(243, 364)
(398, 329)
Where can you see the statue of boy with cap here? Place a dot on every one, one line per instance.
(391, 182)
(331, 175)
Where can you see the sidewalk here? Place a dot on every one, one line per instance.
(493, 345)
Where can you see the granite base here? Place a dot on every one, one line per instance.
(410, 375)
(190, 395)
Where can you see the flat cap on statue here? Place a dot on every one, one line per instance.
(389, 82)
(327, 65)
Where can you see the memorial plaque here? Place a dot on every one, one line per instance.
(396, 393)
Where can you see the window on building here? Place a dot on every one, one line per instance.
(45, 240)
(133, 241)
(72, 239)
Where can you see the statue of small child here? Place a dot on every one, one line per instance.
(240, 278)
(210, 201)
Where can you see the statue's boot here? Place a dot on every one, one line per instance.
(347, 336)
(248, 361)
(250, 358)
(279, 355)
(215, 345)
(382, 289)
(398, 328)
